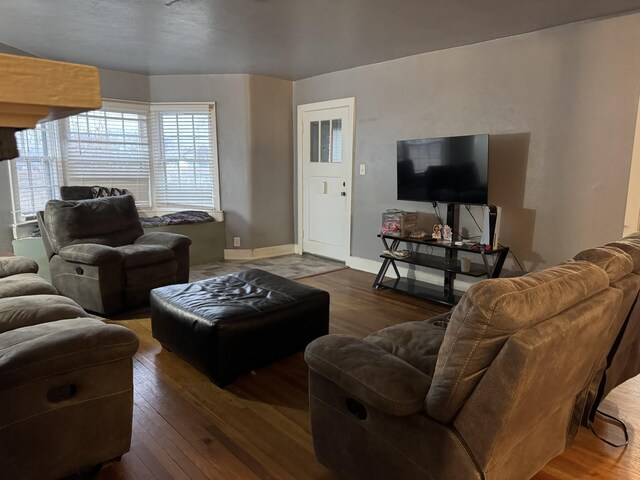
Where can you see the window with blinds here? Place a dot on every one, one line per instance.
(110, 148)
(184, 156)
(175, 167)
(35, 174)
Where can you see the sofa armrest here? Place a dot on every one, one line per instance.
(14, 265)
(166, 239)
(90, 254)
(375, 376)
(54, 348)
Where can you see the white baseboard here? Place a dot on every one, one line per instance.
(257, 253)
(423, 274)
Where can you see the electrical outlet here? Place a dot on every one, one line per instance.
(236, 241)
(362, 169)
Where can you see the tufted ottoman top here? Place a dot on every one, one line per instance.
(237, 295)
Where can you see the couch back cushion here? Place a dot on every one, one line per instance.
(489, 313)
(109, 221)
(631, 245)
(615, 261)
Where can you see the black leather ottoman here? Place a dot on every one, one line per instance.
(228, 325)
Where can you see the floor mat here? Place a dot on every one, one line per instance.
(288, 266)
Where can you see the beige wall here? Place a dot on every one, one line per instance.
(632, 213)
(560, 105)
(271, 161)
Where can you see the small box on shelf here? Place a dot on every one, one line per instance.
(398, 223)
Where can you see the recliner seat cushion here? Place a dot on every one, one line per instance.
(489, 313)
(417, 343)
(135, 255)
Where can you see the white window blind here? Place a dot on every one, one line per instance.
(110, 148)
(35, 174)
(185, 163)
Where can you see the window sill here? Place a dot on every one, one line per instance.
(23, 229)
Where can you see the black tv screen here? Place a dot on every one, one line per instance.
(445, 169)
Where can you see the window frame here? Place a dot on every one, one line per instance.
(55, 169)
(156, 148)
(117, 107)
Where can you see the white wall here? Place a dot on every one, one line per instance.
(560, 105)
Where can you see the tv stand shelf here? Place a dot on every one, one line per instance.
(449, 264)
(439, 263)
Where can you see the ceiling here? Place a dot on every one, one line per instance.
(289, 39)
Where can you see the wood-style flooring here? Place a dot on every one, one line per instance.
(184, 427)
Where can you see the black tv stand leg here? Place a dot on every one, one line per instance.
(381, 273)
(385, 264)
(499, 263)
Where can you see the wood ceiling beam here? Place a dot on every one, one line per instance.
(33, 90)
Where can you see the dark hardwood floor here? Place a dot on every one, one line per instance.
(184, 427)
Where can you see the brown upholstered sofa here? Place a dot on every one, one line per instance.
(66, 389)
(623, 359)
(492, 390)
(100, 256)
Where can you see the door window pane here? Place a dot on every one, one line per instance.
(336, 141)
(314, 142)
(325, 140)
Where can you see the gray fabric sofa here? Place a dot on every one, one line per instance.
(66, 385)
(492, 390)
(100, 256)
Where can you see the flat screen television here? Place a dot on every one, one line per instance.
(445, 169)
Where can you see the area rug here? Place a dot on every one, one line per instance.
(288, 266)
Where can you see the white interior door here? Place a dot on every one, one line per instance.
(325, 156)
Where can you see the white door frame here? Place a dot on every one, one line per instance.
(350, 103)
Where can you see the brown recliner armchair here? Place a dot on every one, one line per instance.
(100, 256)
(493, 392)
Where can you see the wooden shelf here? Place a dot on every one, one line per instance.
(33, 89)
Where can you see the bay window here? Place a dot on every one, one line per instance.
(164, 154)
